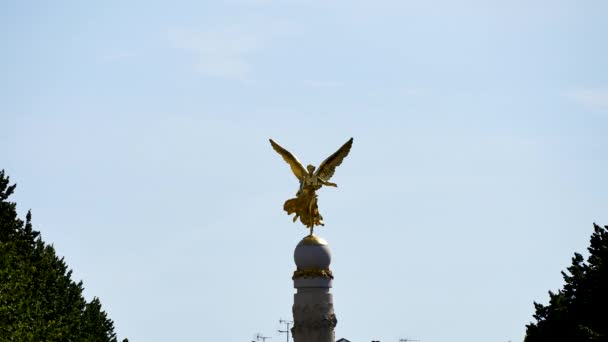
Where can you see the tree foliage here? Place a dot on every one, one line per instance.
(38, 299)
(579, 311)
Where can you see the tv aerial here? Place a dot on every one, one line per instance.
(260, 337)
(286, 331)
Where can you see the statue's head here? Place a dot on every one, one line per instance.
(310, 168)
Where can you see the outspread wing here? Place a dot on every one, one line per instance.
(328, 166)
(293, 162)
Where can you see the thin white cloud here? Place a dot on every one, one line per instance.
(221, 53)
(117, 56)
(413, 92)
(323, 84)
(592, 98)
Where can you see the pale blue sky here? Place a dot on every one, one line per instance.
(138, 134)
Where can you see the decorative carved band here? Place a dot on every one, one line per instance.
(314, 316)
(328, 322)
(313, 273)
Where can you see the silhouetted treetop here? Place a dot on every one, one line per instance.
(38, 299)
(579, 311)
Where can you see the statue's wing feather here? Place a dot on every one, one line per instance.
(328, 166)
(293, 162)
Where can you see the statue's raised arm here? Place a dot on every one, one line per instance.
(304, 205)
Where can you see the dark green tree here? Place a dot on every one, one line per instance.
(579, 311)
(38, 299)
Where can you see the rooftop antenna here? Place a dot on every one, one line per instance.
(260, 337)
(407, 340)
(287, 323)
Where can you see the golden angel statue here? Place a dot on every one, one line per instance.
(304, 205)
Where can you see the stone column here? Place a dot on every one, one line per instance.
(313, 305)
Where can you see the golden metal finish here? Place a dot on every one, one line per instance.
(313, 273)
(313, 240)
(304, 205)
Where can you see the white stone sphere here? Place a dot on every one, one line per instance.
(312, 253)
